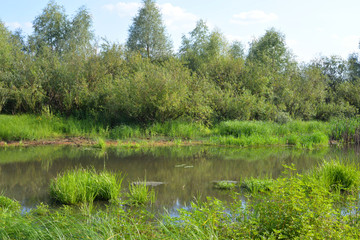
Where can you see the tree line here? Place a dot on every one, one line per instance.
(62, 69)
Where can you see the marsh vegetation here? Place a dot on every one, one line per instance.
(60, 83)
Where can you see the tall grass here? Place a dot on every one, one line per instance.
(346, 130)
(7, 204)
(252, 133)
(301, 134)
(178, 129)
(31, 127)
(85, 185)
(140, 194)
(337, 176)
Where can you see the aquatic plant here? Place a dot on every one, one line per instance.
(85, 185)
(337, 175)
(140, 194)
(7, 204)
(254, 185)
(224, 185)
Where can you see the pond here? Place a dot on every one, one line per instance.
(187, 172)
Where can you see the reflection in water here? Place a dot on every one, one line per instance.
(188, 172)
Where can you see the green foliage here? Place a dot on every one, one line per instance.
(7, 204)
(178, 129)
(100, 143)
(84, 186)
(140, 194)
(345, 130)
(289, 211)
(254, 185)
(224, 185)
(337, 176)
(60, 70)
(147, 33)
(54, 30)
(125, 132)
(30, 127)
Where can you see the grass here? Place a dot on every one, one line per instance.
(100, 143)
(140, 194)
(7, 204)
(84, 186)
(345, 130)
(254, 185)
(337, 176)
(224, 185)
(31, 127)
(301, 134)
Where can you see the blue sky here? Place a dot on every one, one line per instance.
(311, 27)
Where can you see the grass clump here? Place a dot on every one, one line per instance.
(100, 143)
(337, 176)
(7, 204)
(254, 185)
(85, 185)
(225, 185)
(140, 194)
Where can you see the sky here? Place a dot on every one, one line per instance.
(312, 28)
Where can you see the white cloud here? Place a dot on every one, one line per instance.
(15, 25)
(291, 43)
(251, 17)
(243, 39)
(177, 18)
(349, 43)
(123, 9)
(28, 25)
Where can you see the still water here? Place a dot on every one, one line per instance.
(187, 172)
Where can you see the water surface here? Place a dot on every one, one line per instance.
(188, 172)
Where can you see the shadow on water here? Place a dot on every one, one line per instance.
(187, 172)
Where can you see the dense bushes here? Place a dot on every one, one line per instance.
(61, 70)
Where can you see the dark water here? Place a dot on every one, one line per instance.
(25, 173)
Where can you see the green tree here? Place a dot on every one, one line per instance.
(53, 29)
(269, 68)
(354, 67)
(147, 33)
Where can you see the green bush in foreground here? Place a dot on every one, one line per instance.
(84, 185)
